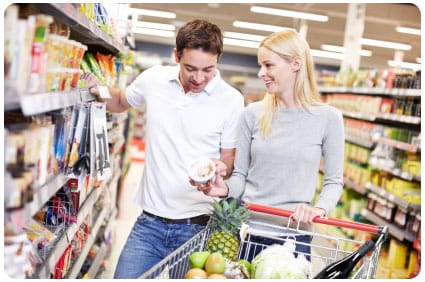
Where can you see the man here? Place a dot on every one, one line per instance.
(191, 113)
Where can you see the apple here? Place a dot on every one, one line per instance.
(198, 259)
(215, 264)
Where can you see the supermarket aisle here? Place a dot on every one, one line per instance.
(126, 217)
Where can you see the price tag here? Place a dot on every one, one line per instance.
(104, 92)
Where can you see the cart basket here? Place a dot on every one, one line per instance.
(325, 248)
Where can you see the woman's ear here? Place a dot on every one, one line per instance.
(296, 64)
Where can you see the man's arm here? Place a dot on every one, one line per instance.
(227, 156)
(118, 103)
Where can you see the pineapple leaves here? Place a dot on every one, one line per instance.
(228, 214)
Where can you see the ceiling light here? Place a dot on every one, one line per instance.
(326, 54)
(257, 26)
(154, 32)
(244, 36)
(153, 13)
(287, 13)
(408, 30)
(404, 65)
(340, 49)
(385, 44)
(241, 43)
(154, 25)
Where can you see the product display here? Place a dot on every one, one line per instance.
(66, 158)
(61, 175)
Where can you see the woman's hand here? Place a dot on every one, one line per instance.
(218, 187)
(306, 214)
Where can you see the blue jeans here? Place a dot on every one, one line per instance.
(256, 244)
(149, 242)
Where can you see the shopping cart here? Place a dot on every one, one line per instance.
(176, 264)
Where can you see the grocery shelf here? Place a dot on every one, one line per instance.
(400, 174)
(393, 230)
(103, 250)
(82, 29)
(399, 118)
(362, 142)
(399, 145)
(11, 97)
(357, 115)
(44, 193)
(388, 117)
(354, 186)
(372, 91)
(44, 270)
(76, 267)
(392, 198)
(33, 104)
(94, 268)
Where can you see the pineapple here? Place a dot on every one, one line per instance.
(227, 218)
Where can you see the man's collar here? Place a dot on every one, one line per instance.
(212, 84)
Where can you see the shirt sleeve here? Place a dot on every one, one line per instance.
(230, 128)
(333, 157)
(136, 91)
(237, 181)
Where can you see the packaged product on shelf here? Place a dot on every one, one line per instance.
(78, 160)
(397, 254)
(100, 158)
(38, 71)
(57, 214)
(63, 264)
(94, 67)
(70, 137)
(20, 258)
(415, 226)
(41, 237)
(62, 123)
(21, 40)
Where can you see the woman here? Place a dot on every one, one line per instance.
(283, 137)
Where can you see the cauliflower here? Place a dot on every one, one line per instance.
(279, 262)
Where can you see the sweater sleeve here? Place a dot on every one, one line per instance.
(333, 157)
(237, 181)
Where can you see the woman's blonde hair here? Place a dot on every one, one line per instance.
(290, 44)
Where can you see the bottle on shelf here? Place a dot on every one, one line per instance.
(342, 268)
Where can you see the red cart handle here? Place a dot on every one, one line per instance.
(329, 221)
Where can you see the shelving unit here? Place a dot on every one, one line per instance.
(62, 243)
(372, 91)
(44, 193)
(391, 119)
(82, 29)
(393, 230)
(88, 33)
(75, 269)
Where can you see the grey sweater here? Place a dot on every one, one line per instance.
(281, 171)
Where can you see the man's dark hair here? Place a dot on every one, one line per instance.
(200, 34)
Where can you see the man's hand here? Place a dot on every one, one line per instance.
(117, 103)
(216, 188)
(90, 79)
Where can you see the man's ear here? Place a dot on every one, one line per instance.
(176, 56)
(296, 64)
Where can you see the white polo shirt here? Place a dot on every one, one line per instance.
(181, 128)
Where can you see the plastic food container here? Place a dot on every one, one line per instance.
(202, 171)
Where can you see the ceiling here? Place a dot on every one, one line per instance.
(381, 22)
